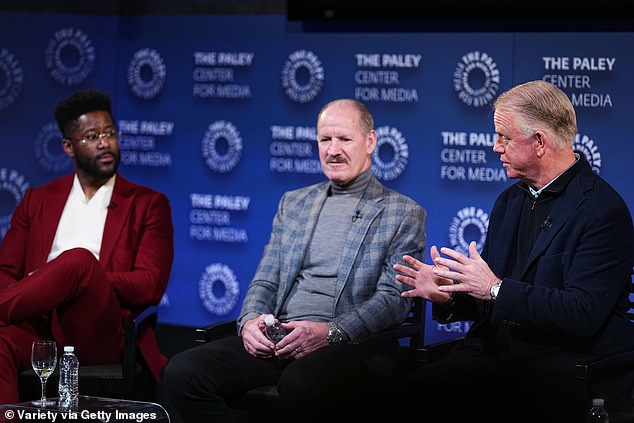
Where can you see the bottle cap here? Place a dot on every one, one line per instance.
(269, 319)
(598, 402)
(69, 348)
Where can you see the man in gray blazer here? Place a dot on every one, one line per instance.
(327, 274)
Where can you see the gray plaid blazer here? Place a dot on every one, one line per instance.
(368, 295)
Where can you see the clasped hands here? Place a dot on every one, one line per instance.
(453, 272)
(303, 338)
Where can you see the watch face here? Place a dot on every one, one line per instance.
(494, 291)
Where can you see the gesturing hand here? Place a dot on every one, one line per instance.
(472, 274)
(422, 278)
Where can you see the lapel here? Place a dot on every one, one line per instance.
(120, 203)
(303, 232)
(571, 199)
(509, 226)
(55, 201)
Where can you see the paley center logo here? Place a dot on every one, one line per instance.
(476, 79)
(146, 73)
(70, 56)
(48, 150)
(469, 224)
(390, 156)
(586, 146)
(302, 76)
(222, 146)
(11, 74)
(15, 184)
(218, 289)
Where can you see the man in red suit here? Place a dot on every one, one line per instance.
(83, 252)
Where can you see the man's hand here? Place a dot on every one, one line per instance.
(473, 274)
(303, 338)
(254, 339)
(422, 278)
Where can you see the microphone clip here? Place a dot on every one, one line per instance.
(357, 216)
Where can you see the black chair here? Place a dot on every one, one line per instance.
(611, 378)
(263, 404)
(130, 379)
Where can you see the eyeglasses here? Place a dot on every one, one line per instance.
(95, 138)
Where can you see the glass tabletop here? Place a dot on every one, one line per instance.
(88, 409)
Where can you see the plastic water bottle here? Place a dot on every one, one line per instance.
(598, 413)
(274, 329)
(68, 379)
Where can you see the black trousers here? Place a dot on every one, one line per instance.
(496, 389)
(328, 384)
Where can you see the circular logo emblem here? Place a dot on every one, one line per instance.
(469, 224)
(146, 73)
(48, 150)
(13, 185)
(390, 156)
(586, 146)
(476, 79)
(222, 146)
(70, 56)
(11, 79)
(302, 76)
(218, 289)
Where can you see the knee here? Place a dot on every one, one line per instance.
(76, 261)
(182, 377)
(78, 264)
(174, 372)
(77, 256)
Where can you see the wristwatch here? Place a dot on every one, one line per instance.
(495, 289)
(335, 335)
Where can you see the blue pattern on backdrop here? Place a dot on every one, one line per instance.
(218, 112)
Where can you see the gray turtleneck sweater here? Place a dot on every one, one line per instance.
(313, 294)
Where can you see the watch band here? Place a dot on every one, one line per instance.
(335, 334)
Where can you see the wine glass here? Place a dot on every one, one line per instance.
(43, 360)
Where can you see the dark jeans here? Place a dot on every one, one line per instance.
(326, 384)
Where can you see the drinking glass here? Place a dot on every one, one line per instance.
(43, 360)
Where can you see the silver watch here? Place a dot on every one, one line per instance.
(335, 335)
(495, 289)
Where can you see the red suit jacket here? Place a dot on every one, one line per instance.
(136, 251)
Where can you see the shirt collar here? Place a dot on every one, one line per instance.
(559, 182)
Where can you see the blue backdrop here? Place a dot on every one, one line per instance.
(218, 112)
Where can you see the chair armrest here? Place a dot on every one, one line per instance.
(149, 312)
(402, 331)
(131, 328)
(413, 328)
(435, 351)
(215, 331)
(412, 331)
(132, 324)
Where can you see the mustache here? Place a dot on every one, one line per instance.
(105, 153)
(336, 159)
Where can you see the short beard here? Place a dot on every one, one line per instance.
(91, 167)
